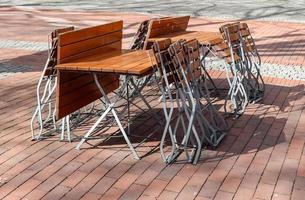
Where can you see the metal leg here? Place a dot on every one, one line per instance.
(109, 108)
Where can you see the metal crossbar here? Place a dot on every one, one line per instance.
(110, 106)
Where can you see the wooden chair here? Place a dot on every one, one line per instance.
(238, 93)
(238, 34)
(215, 122)
(46, 87)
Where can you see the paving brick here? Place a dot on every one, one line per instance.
(244, 193)
(283, 187)
(209, 189)
(73, 179)
(297, 194)
(264, 191)
(57, 192)
(155, 188)
(224, 195)
(167, 195)
(103, 185)
(133, 192)
(91, 196)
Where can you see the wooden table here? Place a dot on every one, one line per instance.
(204, 37)
(122, 62)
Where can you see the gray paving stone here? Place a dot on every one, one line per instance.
(26, 45)
(8, 69)
(271, 70)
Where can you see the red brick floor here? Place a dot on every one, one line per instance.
(262, 156)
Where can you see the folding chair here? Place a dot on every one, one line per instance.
(168, 87)
(45, 90)
(139, 40)
(235, 76)
(243, 44)
(216, 125)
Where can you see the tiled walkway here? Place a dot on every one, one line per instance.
(262, 157)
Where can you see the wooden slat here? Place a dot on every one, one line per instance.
(119, 62)
(215, 41)
(229, 59)
(69, 96)
(245, 33)
(168, 25)
(56, 32)
(64, 111)
(84, 91)
(234, 37)
(142, 67)
(167, 29)
(78, 49)
(116, 46)
(92, 43)
(90, 32)
(169, 21)
(220, 47)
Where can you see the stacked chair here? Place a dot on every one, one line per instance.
(247, 85)
(139, 40)
(44, 115)
(179, 67)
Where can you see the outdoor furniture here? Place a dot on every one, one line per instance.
(237, 93)
(44, 112)
(153, 27)
(239, 37)
(179, 66)
(174, 28)
(90, 62)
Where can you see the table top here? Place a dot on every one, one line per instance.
(204, 37)
(123, 62)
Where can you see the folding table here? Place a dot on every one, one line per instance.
(90, 63)
(133, 63)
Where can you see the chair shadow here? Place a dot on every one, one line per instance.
(253, 131)
(26, 63)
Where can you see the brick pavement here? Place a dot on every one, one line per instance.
(262, 157)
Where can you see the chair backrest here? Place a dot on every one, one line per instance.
(167, 25)
(140, 38)
(192, 52)
(52, 54)
(222, 50)
(236, 32)
(76, 90)
(247, 36)
(163, 60)
(180, 64)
